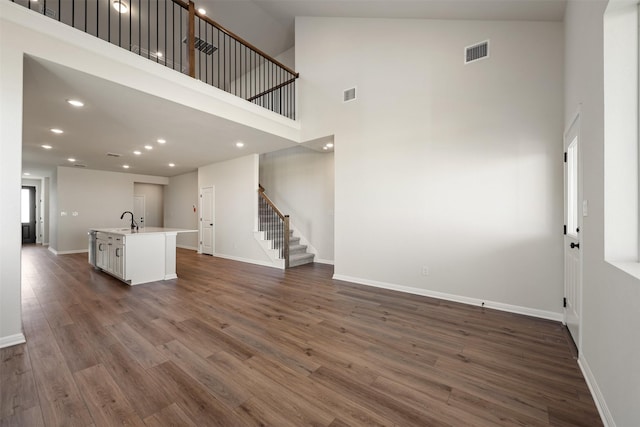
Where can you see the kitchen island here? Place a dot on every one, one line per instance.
(135, 256)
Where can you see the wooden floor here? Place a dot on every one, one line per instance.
(233, 344)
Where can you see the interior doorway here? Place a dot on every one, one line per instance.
(207, 233)
(28, 214)
(574, 209)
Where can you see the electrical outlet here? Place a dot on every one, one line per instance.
(425, 270)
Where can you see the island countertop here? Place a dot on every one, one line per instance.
(145, 230)
(135, 256)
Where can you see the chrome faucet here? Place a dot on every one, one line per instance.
(133, 223)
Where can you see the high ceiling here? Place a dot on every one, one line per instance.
(120, 120)
(270, 23)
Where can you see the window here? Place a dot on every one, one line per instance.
(25, 209)
(621, 154)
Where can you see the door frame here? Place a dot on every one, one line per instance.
(33, 214)
(573, 131)
(200, 219)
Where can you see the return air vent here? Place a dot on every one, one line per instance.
(349, 95)
(49, 12)
(113, 154)
(476, 52)
(202, 46)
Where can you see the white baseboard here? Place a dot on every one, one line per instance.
(601, 404)
(191, 248)
(10, 340)
(543, 314)
(247, 260)
(77, 251)
(323, 261)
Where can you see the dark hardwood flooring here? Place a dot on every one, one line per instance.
(234, 344)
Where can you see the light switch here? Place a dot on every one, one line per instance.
(585, 207)
(75, 214)
(63, 213)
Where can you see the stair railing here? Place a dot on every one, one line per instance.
(275, 226)
(174, 34)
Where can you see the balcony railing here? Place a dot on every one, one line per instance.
(172, 33)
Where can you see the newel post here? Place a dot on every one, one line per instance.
(286, 241)
(192, 39)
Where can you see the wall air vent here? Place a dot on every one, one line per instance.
(79, 165)
(476, 52)
(349, 95)
(113, 154)
(202, 46)
(49, 12)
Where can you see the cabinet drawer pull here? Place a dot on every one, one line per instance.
(117, 253)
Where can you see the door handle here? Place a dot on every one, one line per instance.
(575, 245)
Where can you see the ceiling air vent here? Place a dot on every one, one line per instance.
(202, 46)
(349, 95)
(113, 154)
(79, 165)
(476, 52)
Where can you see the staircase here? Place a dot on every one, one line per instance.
(278, 238)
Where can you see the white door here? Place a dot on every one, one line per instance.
(207, 210)
(138, 210)
(573, 212)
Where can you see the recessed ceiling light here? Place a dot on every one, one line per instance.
(58, 131)
(239, 144)
(161, 141)
(125, 166)
(46, 146)
(202, 11)
(148, 147)
(75, 102)
(120, 6)
(71, 159)
(26, 173)
(137, 153)
(171, 165)
(330, 145)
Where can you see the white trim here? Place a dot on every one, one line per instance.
(247, 260)
(10, 340)
(77, 251)
(191, 248)
(323, 261)
(598, 398)
(527, 311)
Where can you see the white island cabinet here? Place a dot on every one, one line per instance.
(135, 256)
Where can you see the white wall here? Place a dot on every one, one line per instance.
(300, 182)
(452, 167)
(92, 199)
(153, 203)
(236, 207)
(10, 179)
(180, 199)
(611, 298)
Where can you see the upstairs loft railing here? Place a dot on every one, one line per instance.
(172, 33)
(275, 226)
